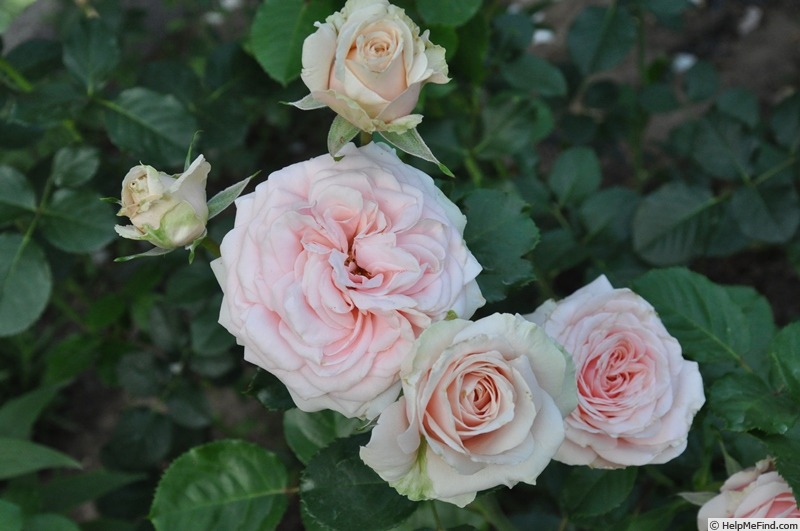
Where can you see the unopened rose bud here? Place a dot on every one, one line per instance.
(368, 63)
(167, 211)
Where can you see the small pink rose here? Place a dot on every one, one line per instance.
(637, 395)
(334, 268)
(483, 405)
(757, 492)
(368, 62)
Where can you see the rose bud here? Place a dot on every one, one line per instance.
(167, 211)
(756, 492)
(368, 63)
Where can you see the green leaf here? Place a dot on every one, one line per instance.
(76, 221)
(473, 45)
(340, 133)
(278, 32)
(758, 317)
(448, 12)
(659, 519)
(307, 433)
(16, 195)
(226, 197)
(188, 407)
(19, 457)
(499, 232)
(701, 81)
(722, 149)
(139, 374)
(69, 357)
(267, 389)
(444, 515)
(785, 122)
(225, 485)
(413, 144)
(18, 415)
(666, 7)
(155, 251)
(608, 212)
(64, 493)
(25, 283)
(672, 224)
(508, 126)
(156, 128)
(11, 516)
(745, 402)
(700, 314)
(531, 73)
(768, 213)
(600, 38)
(105, 311)
(207, 335)
(339, 491)
(739, 103)
(784, 355)
(513, 33)
(91, 53)
(74, 166)
(575, 175)
(785, 449)
(658, 97)
(602, 94)
(141, 439)
(50, 522)
(591, 492)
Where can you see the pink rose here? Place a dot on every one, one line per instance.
(334, 268)
(757, 492)
(368, 63)
(637, 396)
(483, 405)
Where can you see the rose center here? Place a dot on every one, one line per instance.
(376, 49)
(139, 188)
(353, 267)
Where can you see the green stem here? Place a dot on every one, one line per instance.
(773, 171)
(641, 48)
(474, 170)
(12, 74)
(365, 138)
(488, 507)
(436, 516)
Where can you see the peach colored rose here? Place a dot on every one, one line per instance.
(757, 492)
(167, 211)
(483, 405)
(334, 268)
(368, 63)
(637, 395)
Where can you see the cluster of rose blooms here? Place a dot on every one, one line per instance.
(349, 279)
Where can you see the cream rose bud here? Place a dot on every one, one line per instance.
(332, 270)
(368, 63)
(167, 211)
(757, 492)
(483, 405)
(637, 395)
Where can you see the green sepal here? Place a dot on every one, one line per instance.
(412, 143)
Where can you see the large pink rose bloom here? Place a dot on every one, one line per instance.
(334, 268)
(637, 395)
(483, 405)
(758, 492)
